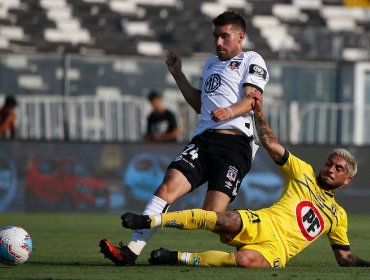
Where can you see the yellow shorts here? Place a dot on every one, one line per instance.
(257, 234)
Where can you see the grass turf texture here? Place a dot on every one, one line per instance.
(65, 246)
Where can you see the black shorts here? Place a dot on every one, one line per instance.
(221, 159)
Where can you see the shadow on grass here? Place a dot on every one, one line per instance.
(81, 264)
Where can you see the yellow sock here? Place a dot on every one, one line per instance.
(209, 258)
(190, 219)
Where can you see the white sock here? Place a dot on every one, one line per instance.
(185, 258)
(139, 238)
(157, 220)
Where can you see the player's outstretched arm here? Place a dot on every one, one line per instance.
(190, 93)
(264, 131)
(245, 105)
(346, 258)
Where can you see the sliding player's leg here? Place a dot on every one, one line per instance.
(242, 258)
(226, 223)
(243, 229)
(174, 186)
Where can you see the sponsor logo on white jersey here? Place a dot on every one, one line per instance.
(212, 83)
(258, 71)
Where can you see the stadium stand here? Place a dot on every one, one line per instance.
(285, 29)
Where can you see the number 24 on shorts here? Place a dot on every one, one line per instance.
(191, 150)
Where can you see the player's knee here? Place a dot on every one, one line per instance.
(243, 260)
(216, 201)
(250, 259)
(174, 186)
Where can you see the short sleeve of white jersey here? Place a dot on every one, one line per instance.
(256, 74)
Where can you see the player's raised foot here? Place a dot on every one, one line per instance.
(121, 255)
(135, 221)
(163, 256)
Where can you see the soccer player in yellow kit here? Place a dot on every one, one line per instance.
(271, 236)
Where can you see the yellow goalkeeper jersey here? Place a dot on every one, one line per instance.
(305, 211)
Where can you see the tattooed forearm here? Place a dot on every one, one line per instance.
(264, 131)
(352, 260)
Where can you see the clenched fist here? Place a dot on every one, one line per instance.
(222, 114)
(173, 62)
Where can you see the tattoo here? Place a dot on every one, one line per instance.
(264, 131)
(230, 221)
(352, 260)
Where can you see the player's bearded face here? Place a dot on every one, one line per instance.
(334, 174)
(228, 41)
(327, 185)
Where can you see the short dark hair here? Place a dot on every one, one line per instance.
(153, 95)
(10, 101)
(230, 17)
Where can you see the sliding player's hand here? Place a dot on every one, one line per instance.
(258, 101)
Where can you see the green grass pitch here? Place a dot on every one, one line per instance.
(65, 246)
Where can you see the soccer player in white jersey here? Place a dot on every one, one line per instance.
(222, 149)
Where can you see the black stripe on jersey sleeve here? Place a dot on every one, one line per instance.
(340, 247)
(252, 85)
(284, 159)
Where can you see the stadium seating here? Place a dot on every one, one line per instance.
(285, 29)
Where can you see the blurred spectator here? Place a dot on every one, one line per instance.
(161, 123)
(7, 117)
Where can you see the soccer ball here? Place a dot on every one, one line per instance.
(15, 245)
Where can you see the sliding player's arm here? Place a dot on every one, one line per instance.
(340, 243)
(264, 131)
(346, 258)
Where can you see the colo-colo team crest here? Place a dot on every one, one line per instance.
(309, 220)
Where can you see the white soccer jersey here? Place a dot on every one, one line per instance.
(222, 86)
